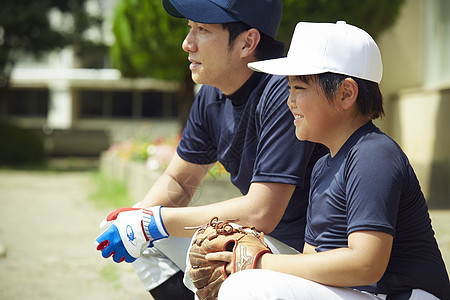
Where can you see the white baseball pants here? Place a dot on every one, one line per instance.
(264, 285)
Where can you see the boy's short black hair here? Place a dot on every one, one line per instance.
(369, 100)
(267, 48)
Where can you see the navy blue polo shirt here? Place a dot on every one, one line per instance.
(251, 133)
(370, 185)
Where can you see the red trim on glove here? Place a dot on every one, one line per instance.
(102, 245)
(114, 214)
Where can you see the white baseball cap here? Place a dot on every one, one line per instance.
(327, 47)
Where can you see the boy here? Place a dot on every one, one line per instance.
(368, 232)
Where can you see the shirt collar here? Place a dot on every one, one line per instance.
(243, 93)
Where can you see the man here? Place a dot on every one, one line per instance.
(239, 118)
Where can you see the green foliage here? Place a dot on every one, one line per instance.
(25, 26)
(374, 16)
(148, 41)
(109, 192)
(20, 147)
(25, 29)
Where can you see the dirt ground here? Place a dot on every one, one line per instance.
(47, 232)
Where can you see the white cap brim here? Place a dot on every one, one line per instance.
(285, 66)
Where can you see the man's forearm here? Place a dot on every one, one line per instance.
(262, 207)
(167, 192)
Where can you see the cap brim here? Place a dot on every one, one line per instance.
(198, 11)
(170, 9)
(284, 66)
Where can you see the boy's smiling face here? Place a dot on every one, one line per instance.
(314, 115)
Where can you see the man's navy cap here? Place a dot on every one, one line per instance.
(264, 15)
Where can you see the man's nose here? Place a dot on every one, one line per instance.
(188, 44)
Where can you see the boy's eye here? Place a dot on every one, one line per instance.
(294, 86)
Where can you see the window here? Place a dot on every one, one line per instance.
(122, 104)
(92, 103)
(27, 102)
(158, 104)
(152, 104)
(128, 104)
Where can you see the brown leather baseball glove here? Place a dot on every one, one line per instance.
(247, 246)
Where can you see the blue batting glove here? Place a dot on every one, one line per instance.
(129, 232)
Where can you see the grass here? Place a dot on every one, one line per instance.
(109, 192)
(110, 274)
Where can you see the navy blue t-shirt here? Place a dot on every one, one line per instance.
(252, 135)
(370, 185)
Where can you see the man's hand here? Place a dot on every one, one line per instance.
(129, 231)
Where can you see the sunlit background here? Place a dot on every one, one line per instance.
(100, 90)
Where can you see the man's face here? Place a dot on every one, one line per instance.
(212, 61)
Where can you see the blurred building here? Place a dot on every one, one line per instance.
(80, 104)
(416, 89)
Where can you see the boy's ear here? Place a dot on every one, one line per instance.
(348, 92)
(251, 40)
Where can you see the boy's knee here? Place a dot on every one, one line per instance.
(240, 285)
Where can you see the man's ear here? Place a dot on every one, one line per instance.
(348, 92)
(251, 40)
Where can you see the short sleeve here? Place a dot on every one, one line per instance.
(281, 157)
(196, 144)
(373, 177)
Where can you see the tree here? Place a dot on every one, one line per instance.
(148, 40)
(25, 29)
